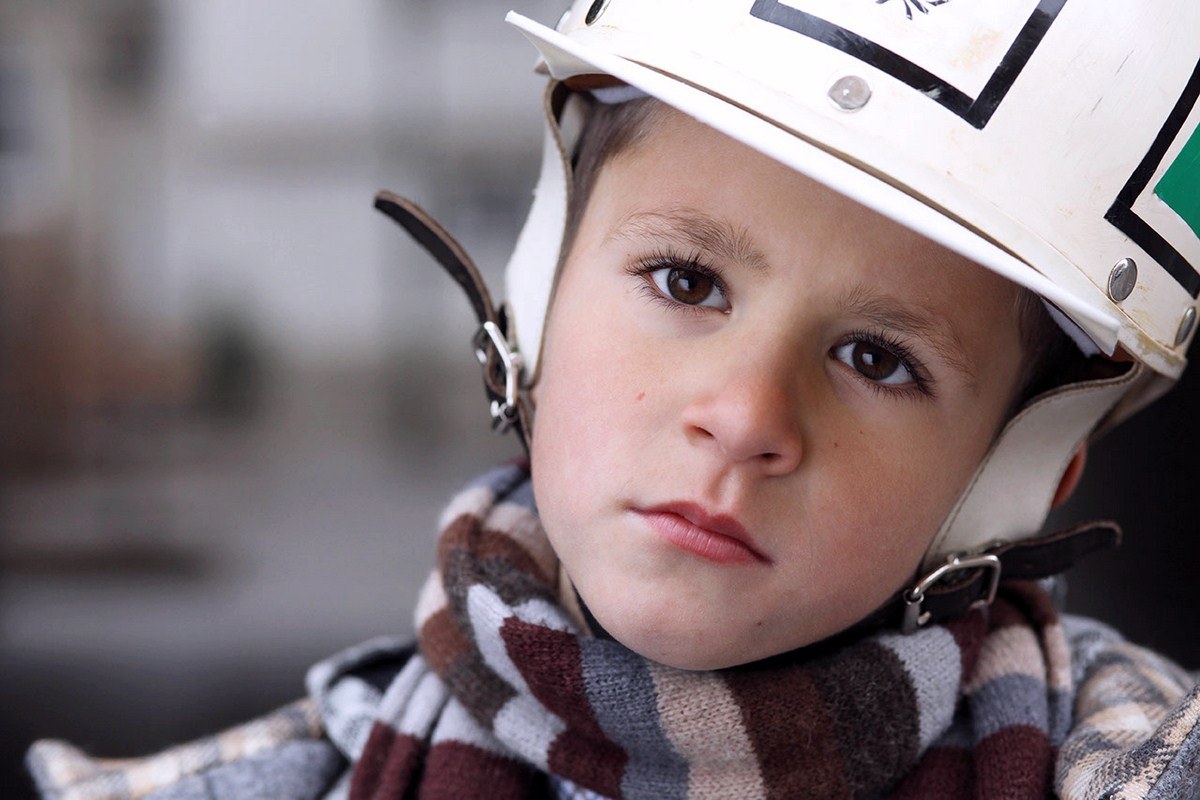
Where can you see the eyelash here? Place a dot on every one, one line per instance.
(669, 259)
(922, 385)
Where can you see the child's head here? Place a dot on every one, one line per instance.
(736, 347)
(764, 407)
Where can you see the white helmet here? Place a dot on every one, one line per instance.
(1052, 142)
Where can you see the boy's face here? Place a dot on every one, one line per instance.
(758, 401)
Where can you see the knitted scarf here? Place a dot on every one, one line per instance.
(507, 697)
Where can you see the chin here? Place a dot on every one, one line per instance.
(695, 655)
(675, 643)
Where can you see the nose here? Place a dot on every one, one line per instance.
(749, 416)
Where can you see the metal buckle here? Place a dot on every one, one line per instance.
(504, 413)
(915, 617)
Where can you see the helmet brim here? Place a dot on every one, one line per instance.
(566, 58)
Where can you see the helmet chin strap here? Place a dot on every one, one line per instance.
(502, 365)
(1013, 487)
(991, 533)
(531, 269)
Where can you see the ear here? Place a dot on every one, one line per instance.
(1070, 477)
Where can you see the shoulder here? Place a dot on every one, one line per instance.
(298, 752)
(283, 754)
(1136, 731)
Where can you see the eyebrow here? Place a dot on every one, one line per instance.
(696, 229)
(903, 316)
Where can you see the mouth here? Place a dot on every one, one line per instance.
(714, 537)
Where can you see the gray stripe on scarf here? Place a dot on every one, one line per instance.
(347, 704)
(933, 663)
(627, 711)
(1062, 715)
(1009, 700)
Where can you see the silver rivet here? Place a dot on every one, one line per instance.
(1122, 279)
(1185, 326)
(598, 8)
(850, 93)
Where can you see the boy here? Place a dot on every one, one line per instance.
(808, 369)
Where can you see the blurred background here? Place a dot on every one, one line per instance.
(233, 398)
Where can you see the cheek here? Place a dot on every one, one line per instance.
(597, 372)
(885, 497)
(585, 397)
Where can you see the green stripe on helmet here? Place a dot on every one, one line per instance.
(1180, 186)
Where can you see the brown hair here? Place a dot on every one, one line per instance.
(610, 129)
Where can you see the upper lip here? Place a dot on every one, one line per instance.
(718, 523)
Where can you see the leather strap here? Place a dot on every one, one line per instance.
(973, 585)
(503, 388)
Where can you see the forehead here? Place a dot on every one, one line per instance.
(684, 179)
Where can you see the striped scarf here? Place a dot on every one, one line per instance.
(507, 697)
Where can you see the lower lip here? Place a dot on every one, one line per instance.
(709, 545)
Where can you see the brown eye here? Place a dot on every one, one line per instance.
(875, 362)
(689, 287)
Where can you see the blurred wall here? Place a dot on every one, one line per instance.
(233, 398)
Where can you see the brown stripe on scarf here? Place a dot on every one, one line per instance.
(789, 726)
(453, 656)
(390, 762)
(393, 763)
(456, 770)
(969, 633)
(1016, 763)
(492, 559)
(443, 641)
(944, 773)
(882, 709)
(550, 663)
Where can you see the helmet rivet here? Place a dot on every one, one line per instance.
(1122, 279)
(598, 8)
(1185, 326)
(850, 93)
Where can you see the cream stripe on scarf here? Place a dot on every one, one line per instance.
(457, 725)
(474, 500)
(523, 722)
(703, 721)
(1058, 658)
(418, 700)
(431, 600)
(1014, 650)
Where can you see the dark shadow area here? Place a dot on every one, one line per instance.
(1145, 476)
